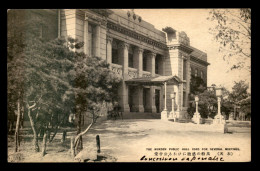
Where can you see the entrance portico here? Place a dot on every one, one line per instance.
(148, 94)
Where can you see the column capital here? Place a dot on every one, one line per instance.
(152, 54)
(139, 50)
(109, 39)
(123, 45)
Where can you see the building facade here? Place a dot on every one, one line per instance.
(152, 63)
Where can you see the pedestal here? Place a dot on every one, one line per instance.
(164, 115)
(221, 128)
(197, 118)
(126, 108)
(219, 119)
(173, 116)
(219, 123)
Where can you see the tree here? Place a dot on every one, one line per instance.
(197, 86)
(240, 97)
(207, 99)
(39, 73)
(95, 85)
(232, 30)
(19, 31)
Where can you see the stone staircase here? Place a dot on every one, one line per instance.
(137, 115)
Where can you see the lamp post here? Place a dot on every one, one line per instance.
(197, 101)
(219, 118)
(164, 113)
(219, 121)
(196, 117)
(172, 97)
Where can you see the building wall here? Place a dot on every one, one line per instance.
(123, 27)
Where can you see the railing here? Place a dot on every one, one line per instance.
(117, 69)
(132, 73)
(146, 74)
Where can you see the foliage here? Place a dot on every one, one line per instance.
(52, 78)
(240, 97)
(208, 104)
(232, 30)
(197, 86)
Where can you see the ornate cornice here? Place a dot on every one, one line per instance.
(103, 12)
(100, 20)
(192, 58)
(135, 35)
(181, 47)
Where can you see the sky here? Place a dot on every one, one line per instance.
(194, 22)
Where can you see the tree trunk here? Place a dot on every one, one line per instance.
(235, 113)
(35, 136)
(79, 136)
(22, 117)
(48, 136)
(56, 130)
(44, 143)
(79, 143)
(17, 143)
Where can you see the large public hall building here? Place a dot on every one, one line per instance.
(153, 63)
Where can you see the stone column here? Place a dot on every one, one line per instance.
(177, 100)
(86, 36)
(138, 60)
(59, 23)
(188, 81)
(123, 55)
(151, 63)
(97, 41)
(138, 99)
(109, 49)
(152, 107)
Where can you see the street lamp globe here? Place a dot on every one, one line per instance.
(196, 98)
(172, 95)
(218, 92)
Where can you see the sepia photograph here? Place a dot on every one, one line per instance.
(129, 85)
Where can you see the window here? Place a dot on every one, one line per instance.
(157, 60)
(90, 39)
(184, 69)
(201, 75)
(184, 99)
(115, 53)
(130, 57)
(144, 62)
(196, 72)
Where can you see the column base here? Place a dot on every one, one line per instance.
(164, 115)
(173, 116)
(138, 108)
(151, 109)
(126, 108)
